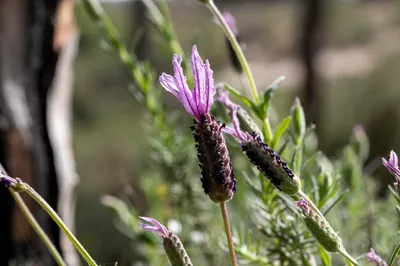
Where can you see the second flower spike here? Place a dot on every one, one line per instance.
(218, 179)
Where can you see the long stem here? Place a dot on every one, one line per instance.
(236, 47)
(225, 217)
(31, 192)
(348, 256)
(38, 229)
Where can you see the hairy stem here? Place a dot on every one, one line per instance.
(236, 47)
(225, 217)
(31, 192)
(38, 229)
(348, 257)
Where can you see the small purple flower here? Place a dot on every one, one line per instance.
(197, 102)
(230, 21)
(303, 205)
(392, 165)
(373, 257)
(172, 244)
(155, 226)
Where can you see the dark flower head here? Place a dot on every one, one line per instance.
(172, 244)
(197, 102)
(392, 165)
(373, 257)
(217, 175)
(266, 159)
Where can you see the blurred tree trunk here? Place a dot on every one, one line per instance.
(33, 58)
(310, 43)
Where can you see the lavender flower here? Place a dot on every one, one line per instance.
(266, 160)
(393, 167)
(172, 245)
(373, 257)
(217, 175)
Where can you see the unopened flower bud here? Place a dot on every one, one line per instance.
(172, 245)
(299, 120)
(320, 228)
(218, 179)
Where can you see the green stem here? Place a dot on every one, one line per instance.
(38, 229)
(31, 192)
(224, 212)
(236, 47)
(348, 256)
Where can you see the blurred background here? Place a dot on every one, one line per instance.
(342, 58)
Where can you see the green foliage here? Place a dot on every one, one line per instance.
(273, 231)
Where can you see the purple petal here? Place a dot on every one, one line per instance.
(198, 74)
(204, 90)
(168, 82)
(303, 205)
(224, 99)
(236, 125)
(210, 88)
(393, 158)
(155, 226)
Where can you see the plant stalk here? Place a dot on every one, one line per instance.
(38, 229)
(31, 192)
(225, 217)
(236, 47)
(348, 257)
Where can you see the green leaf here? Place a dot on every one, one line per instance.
(325, 256)
(240, 96)
(341, 196)
(280, 130)
(310, 161)
(269, 93)
(395, 195)
(394, 254)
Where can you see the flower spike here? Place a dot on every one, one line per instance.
(218, 179)
(266, 159)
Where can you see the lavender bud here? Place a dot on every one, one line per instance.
(299, 120)
(271, 165)
(320, 228)
(172, 244)
(218, 179)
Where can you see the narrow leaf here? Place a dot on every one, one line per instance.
(341, 196)
(325, 257)
(394, 254)
(394, 193)
(280, 130)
